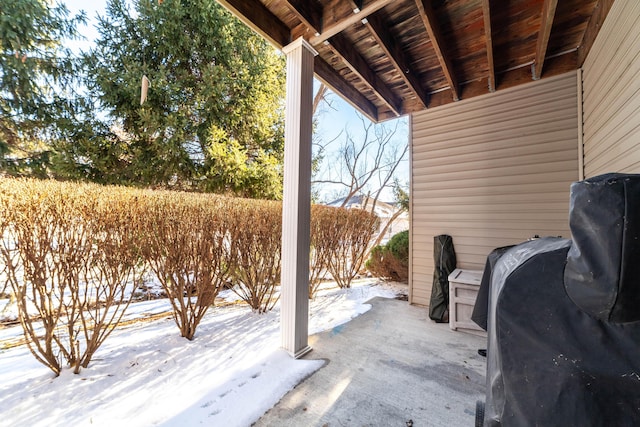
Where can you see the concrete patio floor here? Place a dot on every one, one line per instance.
(391, 366)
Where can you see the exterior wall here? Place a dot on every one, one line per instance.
(491, 171)
(611, 94)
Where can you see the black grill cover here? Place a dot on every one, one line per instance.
(603, 267)
(563, 327)
(444, 257)
(481, 307)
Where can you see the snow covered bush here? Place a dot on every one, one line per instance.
(70, 256)
(391, 261)
(188, 248)
(256, 242)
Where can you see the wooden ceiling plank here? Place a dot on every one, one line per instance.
(333, 25)
(380, 32)
(309, 12)
(548, 12)
(345, 50)
(486, 13)
(430, 21)
(327, 75)
(515, 77)
(593, 27)
(260, 19)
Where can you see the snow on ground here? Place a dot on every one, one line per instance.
(145, 374)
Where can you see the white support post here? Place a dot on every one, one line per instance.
(296, 202)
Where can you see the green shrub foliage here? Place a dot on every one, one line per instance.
(398, 245)
(391, 261)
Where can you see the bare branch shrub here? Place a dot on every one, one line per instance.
(69, 254)
(256, 243)
(117, 269)
(6, 211)
(188, 250)
(324, 243)
(354, 228)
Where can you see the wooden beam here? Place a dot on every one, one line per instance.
(486, 13)
(327, 75)
(309, 12)
(333, 23)
(548, 12)
(256, 16)
(593, 28)
(430, 21)
(356, 63)
(516, 77)
(313, 16)
(399, 59)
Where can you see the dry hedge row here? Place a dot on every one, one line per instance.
(69, 254)
(74, 254)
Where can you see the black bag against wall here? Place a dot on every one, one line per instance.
(445, 262)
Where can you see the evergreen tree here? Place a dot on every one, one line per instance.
(36, 82)
(213, 116)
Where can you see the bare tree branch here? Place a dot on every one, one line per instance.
(319, 97)
(386, 226)
(365, 164)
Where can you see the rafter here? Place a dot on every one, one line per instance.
(336, 18)
(430, 21)
(309, 12)
(548, 12)
(380, 32)
(511, 78)
(327, 75)
(595, 23)
(486, 13)
(352, 59)
(257, 17)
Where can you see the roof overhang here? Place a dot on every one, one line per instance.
(393, 57)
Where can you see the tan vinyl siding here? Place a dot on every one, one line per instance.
(611, 94)
(491, 171)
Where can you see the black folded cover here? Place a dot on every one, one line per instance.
(444, 257)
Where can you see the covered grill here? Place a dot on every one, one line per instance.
(564, 317)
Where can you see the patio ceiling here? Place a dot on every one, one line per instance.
(394, 57)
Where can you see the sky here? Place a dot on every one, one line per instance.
(146, 374)
(332, 122)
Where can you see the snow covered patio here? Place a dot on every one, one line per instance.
(391, 366)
